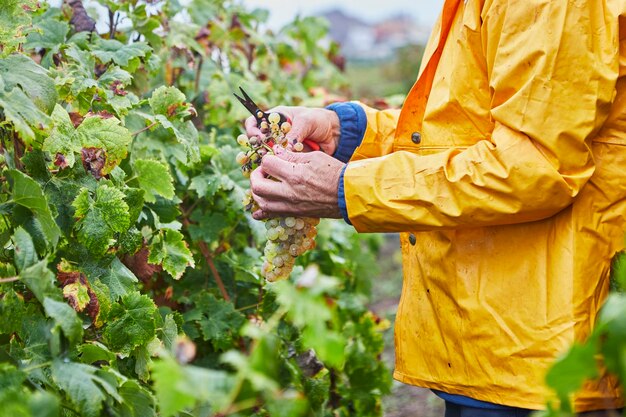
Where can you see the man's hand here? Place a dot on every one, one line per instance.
(301, 185)
(315, 124)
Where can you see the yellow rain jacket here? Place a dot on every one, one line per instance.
(508, 182)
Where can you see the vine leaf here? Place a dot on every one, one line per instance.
(23, 113)
(138, 402)
(218, 320)
(34, 80)
(100, 217)
(132, 323)
(170, 250)
(107, 134)
(27, 193)
(40, 280)
(179, 387)
(155, 179)
(167, 100)
(14, 15)
(49, 34)
(102, 141)
(78, 292)
(119, 279)
(111, 50)
(25, 254)
(138, 264)
(83, 386)
(171, 110)
(63, 138)
(94, 160)
(65, 317)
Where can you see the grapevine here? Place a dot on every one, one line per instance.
(287, 237)
(129, 280)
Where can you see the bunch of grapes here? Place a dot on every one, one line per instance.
(287, 237)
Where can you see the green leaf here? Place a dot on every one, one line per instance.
(34, 80)
(27, 193)
(49, 34)
(186, 134)
(120, 280)
(25, 253)
(65, 317)
(169, 331)
(132, 325)
(218, 320)
(115, 74)
(82, 385)
(13, 18)
(41, 281)
(206, 185)
(137, 401)
(12, 310)
(170, 250)
(95, 352)
(106, 134)
(179, 387)
(154, 178)
(164, 100)
(569, 372)
(110, 50)
(209, 226)
(63, 139)
(100, 217)
(20, 110)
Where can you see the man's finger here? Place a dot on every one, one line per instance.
(260, 185)
(282, 165)
(251, 128)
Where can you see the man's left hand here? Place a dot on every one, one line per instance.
(296, 184)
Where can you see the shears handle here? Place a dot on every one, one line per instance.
(311, 144)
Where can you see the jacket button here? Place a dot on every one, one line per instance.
(416, 137)
(412, 239)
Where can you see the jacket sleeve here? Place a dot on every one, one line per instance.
(552, 68)
(379, 133)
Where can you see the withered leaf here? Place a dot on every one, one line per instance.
(94, 160)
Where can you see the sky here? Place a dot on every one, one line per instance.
(283, 11)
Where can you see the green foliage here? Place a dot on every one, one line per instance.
(607, 341)
(131, 276)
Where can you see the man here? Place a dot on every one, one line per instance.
(504, 173)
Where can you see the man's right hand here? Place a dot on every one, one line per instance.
(314, 124)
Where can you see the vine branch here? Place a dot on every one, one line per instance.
(208, 257)
(10, 279)
(150, 126)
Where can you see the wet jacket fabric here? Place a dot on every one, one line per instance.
(505, 178)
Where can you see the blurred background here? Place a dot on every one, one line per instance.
(382, 44)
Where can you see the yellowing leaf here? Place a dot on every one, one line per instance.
(106, 134)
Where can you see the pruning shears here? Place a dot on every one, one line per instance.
(261, 115)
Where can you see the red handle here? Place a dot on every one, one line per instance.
(311, 144)
(308, 142)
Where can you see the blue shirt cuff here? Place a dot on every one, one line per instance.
(353, 122)
(341, 197)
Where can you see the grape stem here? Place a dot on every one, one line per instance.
(11, 279)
